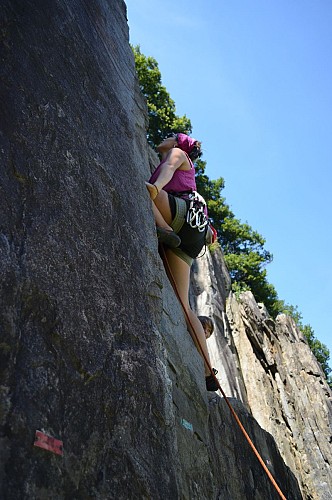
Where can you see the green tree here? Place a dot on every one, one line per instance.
(248, 273)
(211, 191)
(320, 350)
(243, 247)
(161, 107)
(291, 311)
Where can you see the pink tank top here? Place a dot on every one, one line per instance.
(182, 180)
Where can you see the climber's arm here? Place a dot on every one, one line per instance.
(174, 160)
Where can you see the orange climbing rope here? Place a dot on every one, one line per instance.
(195, 337)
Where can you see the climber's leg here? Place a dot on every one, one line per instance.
(181, 274)
(163, 217)
(160, 220)
(161, 204)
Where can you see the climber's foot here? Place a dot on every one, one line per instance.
(168, 237)
(211, 383)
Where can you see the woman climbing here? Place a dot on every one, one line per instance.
(181, 220)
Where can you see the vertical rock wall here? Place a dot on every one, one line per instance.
(287, 392)
(80, 274)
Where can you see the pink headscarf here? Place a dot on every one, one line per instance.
(185, 142)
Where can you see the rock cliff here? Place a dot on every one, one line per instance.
(94, 348)
(269, 366)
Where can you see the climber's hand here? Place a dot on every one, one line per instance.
(153, 190)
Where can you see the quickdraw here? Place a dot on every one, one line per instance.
(196, 214)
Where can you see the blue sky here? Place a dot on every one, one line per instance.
(255, 79)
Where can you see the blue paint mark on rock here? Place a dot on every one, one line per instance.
(187, 425)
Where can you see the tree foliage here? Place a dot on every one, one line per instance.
(320, 350)
(161, 107)
(243, 247)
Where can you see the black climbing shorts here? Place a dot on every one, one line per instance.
(192, 240)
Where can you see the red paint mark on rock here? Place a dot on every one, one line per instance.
(48, 443)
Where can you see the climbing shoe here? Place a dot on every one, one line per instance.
(168, 237)
(211, 383)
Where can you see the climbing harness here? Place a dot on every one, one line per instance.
(195, 337)
(196, 215)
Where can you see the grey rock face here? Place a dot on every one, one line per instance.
(80, 273)
(249, 480)
(94, 348)
(287, 392)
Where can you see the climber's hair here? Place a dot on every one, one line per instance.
(207, 323)
(196, 151)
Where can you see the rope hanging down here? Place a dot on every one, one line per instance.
(195, 337)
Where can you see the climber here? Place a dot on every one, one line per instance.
(181, 220)
(208, 325)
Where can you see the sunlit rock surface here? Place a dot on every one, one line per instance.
(287, 391)
(284, 387)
